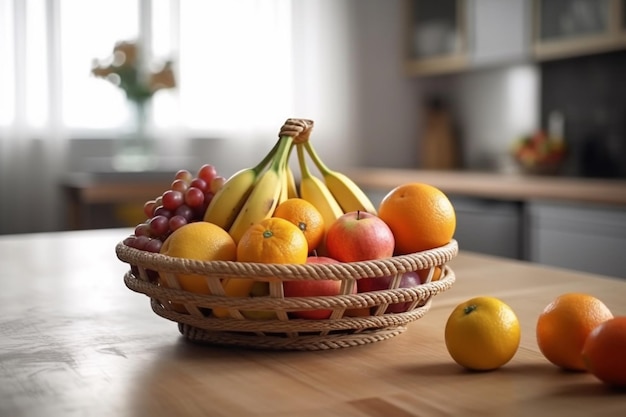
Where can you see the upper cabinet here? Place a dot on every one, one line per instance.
(436, 36)
(566, 28)
(454, 35)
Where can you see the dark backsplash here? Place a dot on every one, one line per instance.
(590, 92)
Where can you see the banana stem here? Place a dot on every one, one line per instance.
(304, 169)
(284, 147)
(267, 158)
(316, 159)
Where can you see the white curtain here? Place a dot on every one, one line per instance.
(233, 61)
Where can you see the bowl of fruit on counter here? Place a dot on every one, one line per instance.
(539, 153)
(275, 259)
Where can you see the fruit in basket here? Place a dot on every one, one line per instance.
(312, 288)
(359, 236)
(306, 216)
(316, 192)
(482, 333)
(272, 240)
(200, 241)
(265, 195)
(185, 202)
(604, 352)
(230, 199)
(407, 280)
(564, 325)
(420, 216)
(345, 191)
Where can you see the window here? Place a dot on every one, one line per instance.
(232, 63)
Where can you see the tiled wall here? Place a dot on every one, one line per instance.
(590, 92)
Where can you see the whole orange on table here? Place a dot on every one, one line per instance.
(482, 333)
(604, 352)
(420, 216)
(564, 325)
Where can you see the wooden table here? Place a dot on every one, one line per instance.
(76, 342)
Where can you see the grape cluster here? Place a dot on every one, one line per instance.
(185, 202)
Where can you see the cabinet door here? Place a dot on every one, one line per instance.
(499, 31)
(566, 28)
(582, 237)
(436, 36)
(491, 227)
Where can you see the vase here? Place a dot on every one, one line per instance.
(134, 150)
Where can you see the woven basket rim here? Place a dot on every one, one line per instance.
(261, 271)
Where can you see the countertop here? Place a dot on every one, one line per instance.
(498, 185)
(76, 342)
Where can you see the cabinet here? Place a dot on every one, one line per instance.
(566, 28)
(454, 35)
(587, 238)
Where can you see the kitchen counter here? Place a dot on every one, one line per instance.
(74, 341)
(498, 186)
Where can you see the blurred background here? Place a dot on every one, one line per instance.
(452, 85)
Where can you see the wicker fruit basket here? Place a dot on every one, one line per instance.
(356, 319)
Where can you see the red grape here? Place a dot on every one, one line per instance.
(207, 173)
(185, 211)
(200, 184)
(177, 222)
(194, 197)
(217, 183)
(158, 225)
(184, 175)
(142, 229)
(172, 199)
(141, 242)
(148, 208)
(162, 211)
(153, 245)
(184, 202)
(180, 185)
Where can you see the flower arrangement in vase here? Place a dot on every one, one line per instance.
(126, 69)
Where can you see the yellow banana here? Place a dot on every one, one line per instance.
(228, 201)
(349, 195)
(264, 197)
(315, 191)
(292, 188)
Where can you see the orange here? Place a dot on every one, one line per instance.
(482, 333)
(420, 216)
(604, 352)
(273, 240)
(304, 215)
(563, 327)
(200, 241)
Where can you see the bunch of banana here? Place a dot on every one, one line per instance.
(251, 195)
(316, 192)
(230, 198)
(339, 188)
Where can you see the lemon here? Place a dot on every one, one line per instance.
(482, 333)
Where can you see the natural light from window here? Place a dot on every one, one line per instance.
(231, 59)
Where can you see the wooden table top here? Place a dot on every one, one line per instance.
(76, 342)
(498, 185)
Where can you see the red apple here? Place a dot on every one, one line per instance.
(359, 236)
(312, 288)
(408, 280)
